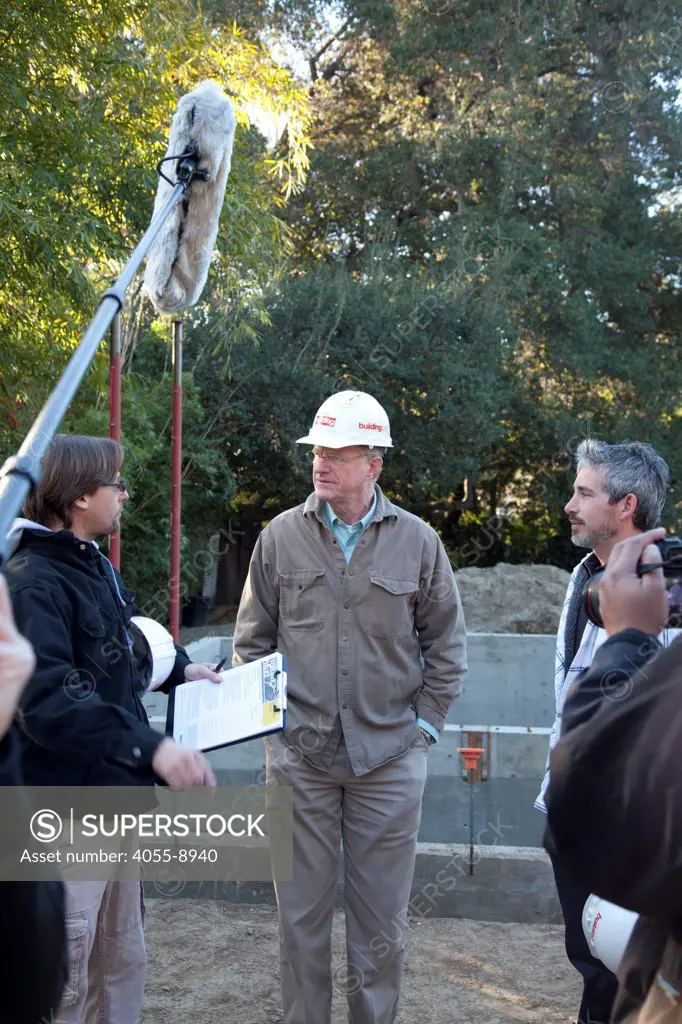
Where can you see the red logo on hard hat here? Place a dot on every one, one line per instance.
(370, 426)
(325, 421)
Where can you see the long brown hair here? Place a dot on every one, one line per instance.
(72, 466)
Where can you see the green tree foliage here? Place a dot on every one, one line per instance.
(427, 351)
(87, 92)
(489, 240)
(207, 488)
(553, 127)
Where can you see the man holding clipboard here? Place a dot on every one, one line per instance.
(81, 717)
(360, 599)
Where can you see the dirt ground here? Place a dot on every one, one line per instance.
(512, 598)
(217, 963)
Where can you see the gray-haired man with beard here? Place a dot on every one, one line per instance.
(619, 491)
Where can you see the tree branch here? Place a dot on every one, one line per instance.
(314, 58)
(331, 40)
(560, 69)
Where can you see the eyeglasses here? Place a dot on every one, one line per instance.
(120, 484)
(337, 460)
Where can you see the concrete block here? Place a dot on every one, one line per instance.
(503, 812)
(211, 649)
(506, 885)
(510, 680)
(518, 756)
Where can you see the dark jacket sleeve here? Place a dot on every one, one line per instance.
(182, 659)
(177, 676)
(615, 795)
(33, 957)
(87, 729)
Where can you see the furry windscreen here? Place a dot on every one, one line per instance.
(178, 262)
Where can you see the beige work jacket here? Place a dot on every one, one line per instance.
(370, 645)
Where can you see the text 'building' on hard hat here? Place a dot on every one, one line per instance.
(347, 418)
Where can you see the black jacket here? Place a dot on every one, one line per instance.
(615, 809)
(33, 952)
(81, 718)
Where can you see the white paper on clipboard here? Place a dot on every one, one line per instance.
(250, 702)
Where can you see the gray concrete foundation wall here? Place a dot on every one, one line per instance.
(507, 884)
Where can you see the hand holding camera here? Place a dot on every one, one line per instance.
(632, 592)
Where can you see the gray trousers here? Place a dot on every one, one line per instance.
(107, 956)
(377, 816)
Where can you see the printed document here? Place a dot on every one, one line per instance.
(249, 702)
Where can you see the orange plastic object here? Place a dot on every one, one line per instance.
(470, 755)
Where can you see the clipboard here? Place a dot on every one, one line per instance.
(250, 702)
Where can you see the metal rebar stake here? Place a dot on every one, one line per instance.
(470, 756)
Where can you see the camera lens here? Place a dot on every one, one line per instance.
(591, 598)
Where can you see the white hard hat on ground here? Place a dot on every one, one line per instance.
(607, 929)
(154, 650)
(347, 418)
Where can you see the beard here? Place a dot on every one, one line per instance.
(592, 540)
(115, 525)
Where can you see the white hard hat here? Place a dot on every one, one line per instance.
(347, 418)
(154, 650)
(607, 929)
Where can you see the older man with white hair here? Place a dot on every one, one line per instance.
(360, 597)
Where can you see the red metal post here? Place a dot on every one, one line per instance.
(115, 416)
(176, 484)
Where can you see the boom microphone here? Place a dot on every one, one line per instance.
(204, 127)
(177, 267)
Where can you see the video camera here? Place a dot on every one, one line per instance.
(671, 553)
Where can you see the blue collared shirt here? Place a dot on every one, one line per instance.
(347, 537)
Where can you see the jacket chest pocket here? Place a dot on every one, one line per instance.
(390, 611)
(303, 599)
(100, 641)
(92, 626)
(88, 641)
